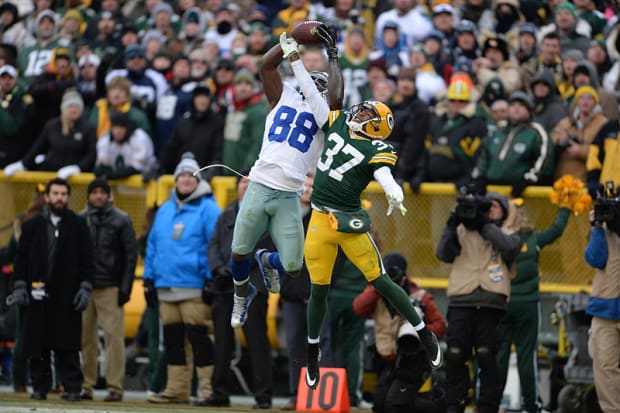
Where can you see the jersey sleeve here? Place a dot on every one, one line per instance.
(332, 116)
(385, 155)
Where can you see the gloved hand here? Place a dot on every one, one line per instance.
(415, 184)
(83, 296)
(288, 45)
(395, 199)
(223, 279)
(20, 293)
(123, 297)
(150, 293)
(519, 187)
(69, 170)
(328, 35)
(207, 292)
(12, 168)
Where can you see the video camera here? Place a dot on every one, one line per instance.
(607, 205)
(470, 203)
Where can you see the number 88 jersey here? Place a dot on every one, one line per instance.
(347, 165)
(292, 143)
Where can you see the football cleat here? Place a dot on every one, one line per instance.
(270, 275)
(240, 308)
(312, 367)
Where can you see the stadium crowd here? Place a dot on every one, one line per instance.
(505, 92)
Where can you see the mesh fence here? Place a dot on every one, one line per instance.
(415, 235)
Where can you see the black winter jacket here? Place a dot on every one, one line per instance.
(114, 245)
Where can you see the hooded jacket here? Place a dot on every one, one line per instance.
(176, 254)
(607, 102)
(549, 110)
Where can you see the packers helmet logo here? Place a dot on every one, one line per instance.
(390, 121)
(356, 223)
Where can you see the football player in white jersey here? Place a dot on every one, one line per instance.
(291, 146)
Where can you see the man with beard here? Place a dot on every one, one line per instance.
(54, 269)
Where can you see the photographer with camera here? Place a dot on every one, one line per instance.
(399, 360)
(603, 253)
(482, 253)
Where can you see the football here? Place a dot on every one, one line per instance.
(305, 33)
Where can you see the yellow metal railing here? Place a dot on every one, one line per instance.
(415, 235)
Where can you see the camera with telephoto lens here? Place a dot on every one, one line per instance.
(469, 203)
(607, 205)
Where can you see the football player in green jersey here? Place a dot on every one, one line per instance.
(353, 155)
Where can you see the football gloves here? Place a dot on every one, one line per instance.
(288, 45)
(395, 200)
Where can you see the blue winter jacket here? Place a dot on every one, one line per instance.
(176, 254)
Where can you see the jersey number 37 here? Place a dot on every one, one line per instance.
(297, 129)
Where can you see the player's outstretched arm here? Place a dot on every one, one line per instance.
(272, 81)
(335, 88)
(393, 191)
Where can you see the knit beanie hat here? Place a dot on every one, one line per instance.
(71, 97)
(99, 183)
(396, 260)
(587, 90)
(566, 6)
(188, 165)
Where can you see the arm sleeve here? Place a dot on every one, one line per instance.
(449, 246)
(142, 154)
(319, 105)
(509, 245)
(556, 229)
(596, 250)
(383, 175)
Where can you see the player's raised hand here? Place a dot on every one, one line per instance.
(395, 200)
(328, 35)
(288, 45)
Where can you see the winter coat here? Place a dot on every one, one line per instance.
(411, 124)
(607, 101)
(568, 126)
(603, 253)
(176, 254)
(16, 136)
(53, 322)
(115, 248)
(549, 110)
(47, 90)
(132, 156)
(199, 133)
(508, 72)
(219, 249)
(603, 162)
(170, 110)
(79, 148)
(370, 303)
(481, 261)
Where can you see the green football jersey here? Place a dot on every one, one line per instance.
(347, 165)
(355, 77)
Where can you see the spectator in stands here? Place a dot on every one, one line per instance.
(388, 323)
(573, 33)
(298, 11)
(124, 150)
(443, 21)
(259, 39)
(200, 133)
(112, 7)
(117, 100)
(437, 55)
(194, 24)
(602, 254)
(87, 80)
(599, 57)
(466, 41)
(66, 144)
(409, 17)
(603, 164)
(508, 18)
(520, 155)
(565, 85)
(177, 275)
(165, 21)
(496, 63)
(611, 81)
(411, 125)
(54, 269)
(15, 109)
(455, 138)
(33, 59)
(550, 56)
(147, 19)
(429, 84)
(223, 77)
(13, 30)
(48, 88)
(245, 125)
(549, 107)
(493, 91)
(587, 11)
(147, 85)
(200, 62)
(481, 252)
(521, 322)
(391, 48)
(584, 74)
(255, 328)
(106, 44)
(175, 103)
(478, 12)
(354, 65)
(499, 115)
(527, 52)
(115, 257)
(72, 26)
(344, 16)
(224, 31)
(573, 135)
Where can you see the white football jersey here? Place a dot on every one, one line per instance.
(292, 143)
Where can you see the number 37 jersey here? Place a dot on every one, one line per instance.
(347, 165)
(292, 143)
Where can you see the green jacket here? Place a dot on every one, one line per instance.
(524, 287)
(517, 153)
(243, 136)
